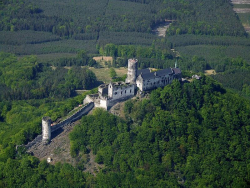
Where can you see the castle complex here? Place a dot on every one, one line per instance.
(144, 79)
(109, 94)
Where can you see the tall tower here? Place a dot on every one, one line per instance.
(46, 129)
(132, 69)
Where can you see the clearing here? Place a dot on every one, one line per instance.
(241, 7)
(240, 1)
(210, 72)
(104, 60)
(160, 30)
(103, 74)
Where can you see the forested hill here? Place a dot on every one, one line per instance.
(186, 135)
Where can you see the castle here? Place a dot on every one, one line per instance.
(109, 94)
(144, 79)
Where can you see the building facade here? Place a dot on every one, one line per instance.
(144, 79)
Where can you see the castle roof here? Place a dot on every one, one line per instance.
(152, 75)
(177, 70)
(143, 71)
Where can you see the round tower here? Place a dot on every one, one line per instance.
(132, 70)
(46, 129)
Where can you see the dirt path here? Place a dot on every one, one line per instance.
(242, 10)
(240, 2)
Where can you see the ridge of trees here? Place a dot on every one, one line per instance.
(186, 135)
(27, 79)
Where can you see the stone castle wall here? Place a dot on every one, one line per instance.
(122, 91)
(83, 111)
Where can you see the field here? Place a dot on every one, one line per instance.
(102, 74)
(210, 72)
(242, 8)
(102, 60)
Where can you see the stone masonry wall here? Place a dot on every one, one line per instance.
(83, 111)
(74, 117)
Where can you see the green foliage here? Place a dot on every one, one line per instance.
(192, 135)
(30, 172)
(81, 25)
(92, 132)
(202, 18)
(112, 73)
(27, 79)
(136, 51)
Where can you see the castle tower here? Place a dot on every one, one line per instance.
(132, 69)
(46, 129)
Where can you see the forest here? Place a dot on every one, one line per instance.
(192, 134)
(184, 135)
(54, 26)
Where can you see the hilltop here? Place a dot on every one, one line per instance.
(54, 53)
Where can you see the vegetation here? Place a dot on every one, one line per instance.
(27, 79)
(112, 73)
(190, 135)
(184, 135)
(114, 21)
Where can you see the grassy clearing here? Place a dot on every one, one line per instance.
(103, 74)
(210, 72)
(104, 60)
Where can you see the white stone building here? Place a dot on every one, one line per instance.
(109, 94)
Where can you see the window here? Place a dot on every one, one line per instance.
(125, 91)
(115, 93)
(130, 90)
(121, 92)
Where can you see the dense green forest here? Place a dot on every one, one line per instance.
(27, 79)
(185, 135)
(53, 26)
